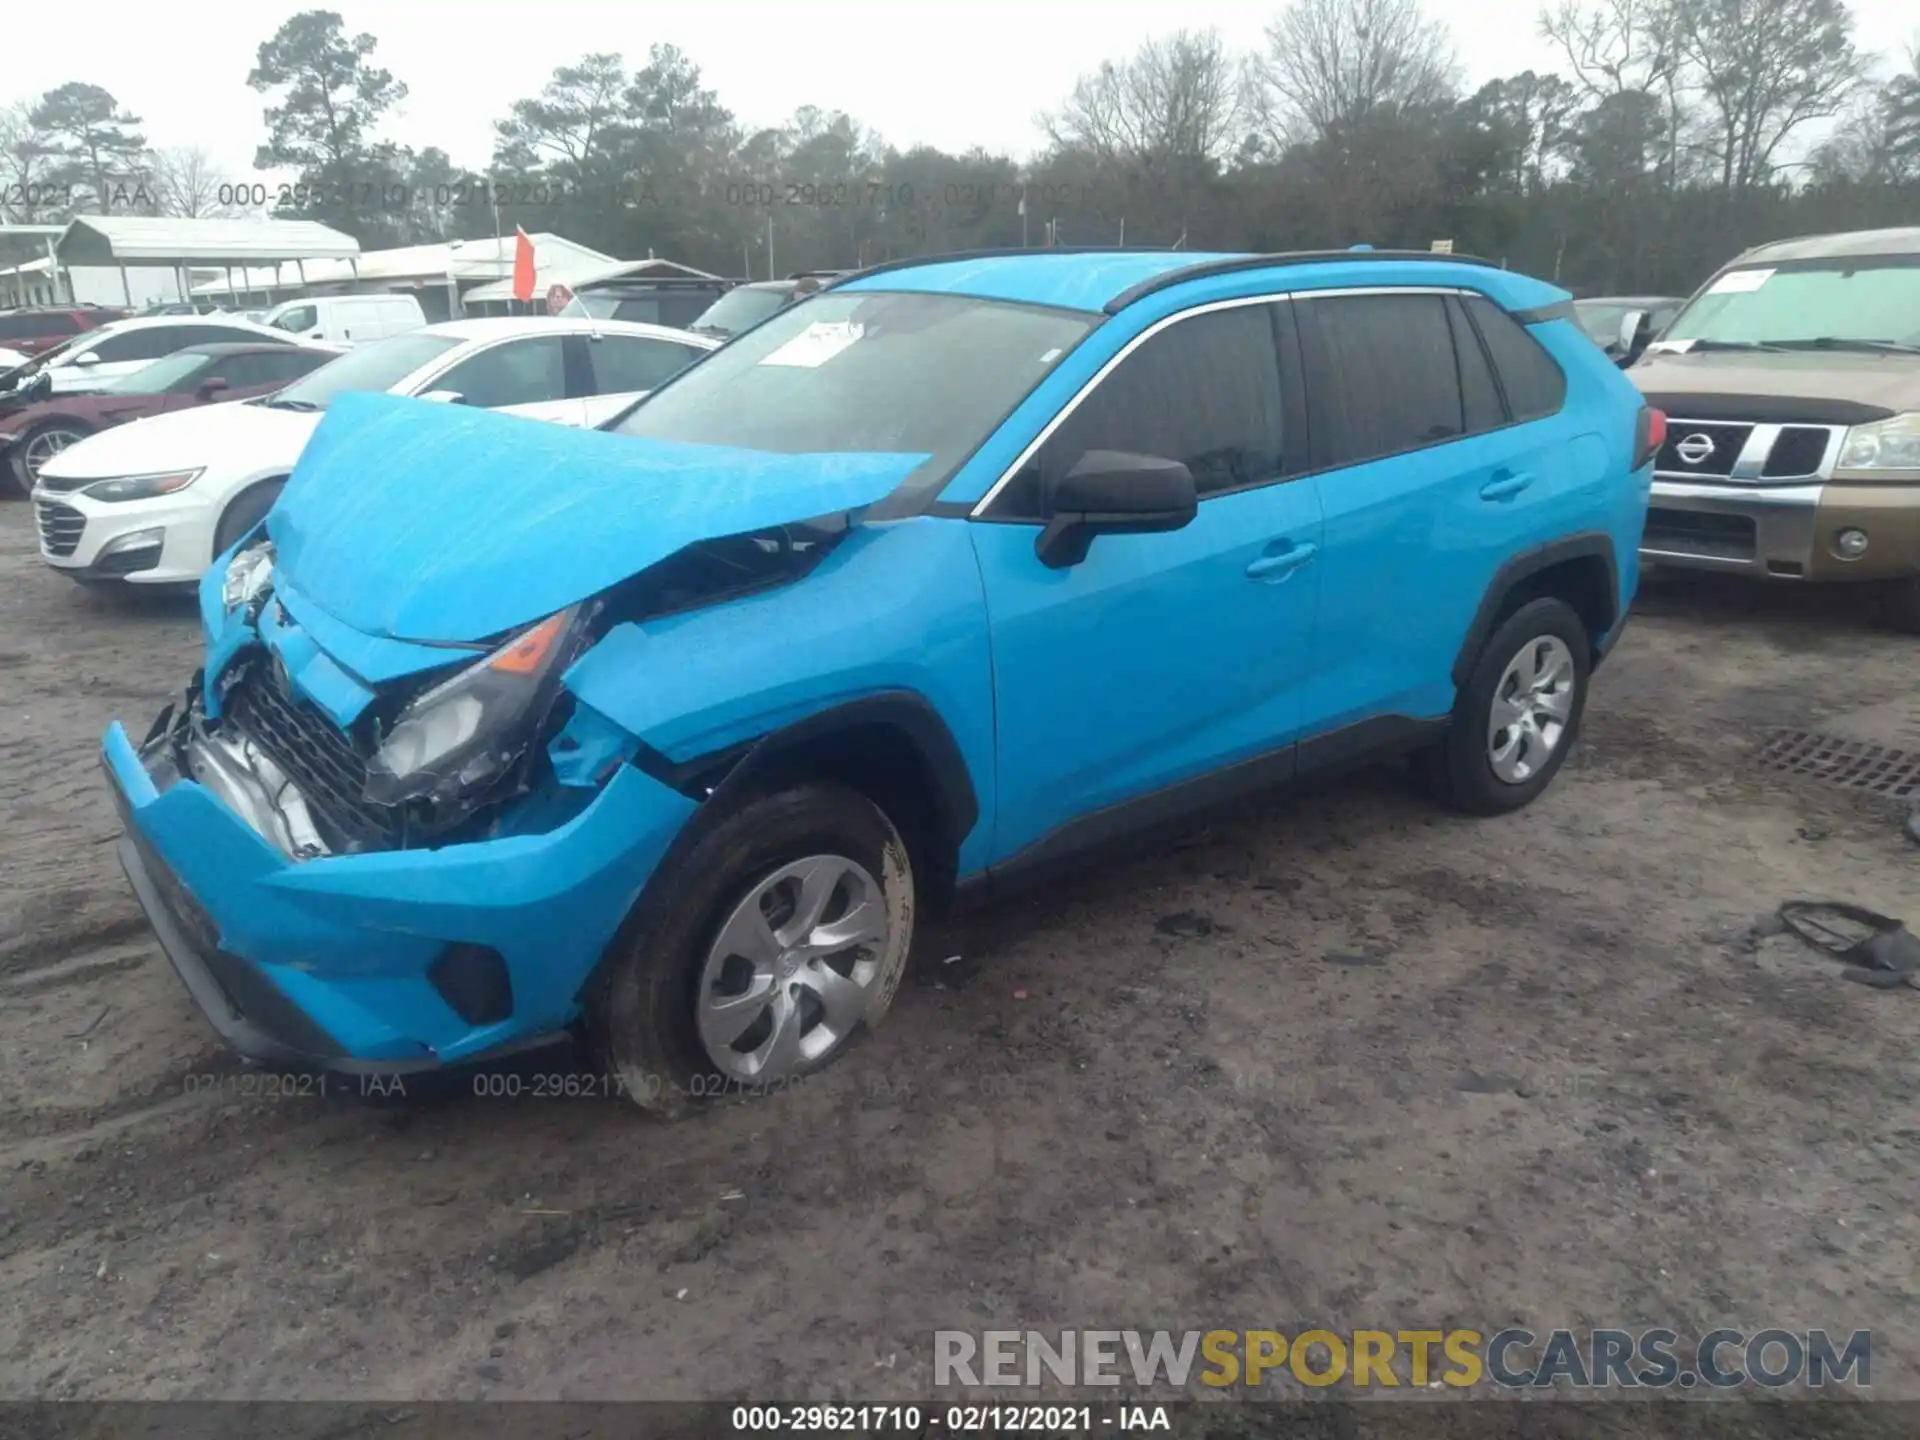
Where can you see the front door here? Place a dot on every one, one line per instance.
(1157, 658)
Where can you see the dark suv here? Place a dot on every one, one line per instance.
(745, 306)
(39, 328)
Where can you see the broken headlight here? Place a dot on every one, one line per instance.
(248, 573)
(466, 732)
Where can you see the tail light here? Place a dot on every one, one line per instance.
(1649, 434)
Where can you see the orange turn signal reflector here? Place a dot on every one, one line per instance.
(1656, 429)
(526, 654)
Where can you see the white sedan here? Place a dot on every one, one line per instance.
(11, 358)
(154, 501)
(94, 357)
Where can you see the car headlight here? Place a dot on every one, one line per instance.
(1891, 444)
(141, 487)
(248, 573)
(468, 730)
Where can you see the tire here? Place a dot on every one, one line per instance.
(57, 433)
(243, 512)
(654, 1031)
(1900, 606)
(1461, 771)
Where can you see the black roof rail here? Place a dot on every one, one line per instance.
(1204, 268)
(996, 253)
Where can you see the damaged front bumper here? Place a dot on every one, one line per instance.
(384, 961)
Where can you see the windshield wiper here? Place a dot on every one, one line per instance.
(1698, 345)
(1835, 342)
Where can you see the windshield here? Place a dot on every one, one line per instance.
(867, 371)
(156, 377)
(378, 366)
(1865, 301)
(739, 310)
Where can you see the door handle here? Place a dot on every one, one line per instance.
(1505, 484)
(1279, 566)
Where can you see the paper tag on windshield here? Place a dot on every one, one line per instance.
(1738, 282)
(1669, 347)
(817, 344)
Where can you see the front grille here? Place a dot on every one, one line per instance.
(1797, 453)
(60, 527)
(316, 754)
(1686, 451)
(1713, 450)
(1695, 532)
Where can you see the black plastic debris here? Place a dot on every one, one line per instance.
(1877, 949)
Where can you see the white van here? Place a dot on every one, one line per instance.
(347, 319)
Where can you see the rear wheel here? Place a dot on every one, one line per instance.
(778, 941)
(41, 444)
(1518, 714)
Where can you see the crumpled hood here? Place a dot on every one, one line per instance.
(414, 520)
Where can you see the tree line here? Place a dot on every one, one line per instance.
(1671, 134)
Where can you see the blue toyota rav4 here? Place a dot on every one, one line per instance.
(961, 568)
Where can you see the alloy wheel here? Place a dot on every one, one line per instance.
(1531, 707)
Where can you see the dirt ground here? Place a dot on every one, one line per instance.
(1342, 1061)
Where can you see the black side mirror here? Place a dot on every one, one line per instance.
(1111, 492)
(1636, 333)
(212, 386)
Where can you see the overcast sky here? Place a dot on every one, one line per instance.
(917, 71)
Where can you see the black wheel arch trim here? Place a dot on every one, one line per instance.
(1519, 568)
(724, 772)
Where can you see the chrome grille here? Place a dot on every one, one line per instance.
(60, 527)
(1746, 452)
(1696, 447)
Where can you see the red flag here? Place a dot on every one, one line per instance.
(522, 265)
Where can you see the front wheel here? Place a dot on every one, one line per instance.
(1900, 605)
(1518, 714)
(779, 939)
(38, 446)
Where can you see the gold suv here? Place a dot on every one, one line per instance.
(1791, 385)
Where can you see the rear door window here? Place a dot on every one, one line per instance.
(624, 362)
(1382, 377)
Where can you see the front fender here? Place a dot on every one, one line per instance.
(897, 607)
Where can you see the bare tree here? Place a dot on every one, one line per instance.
(187, 184)
(1619, 51)
(26, 169)
(1332, 65)
(1181, 99)
(1766, 68)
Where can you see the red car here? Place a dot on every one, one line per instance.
(197, 375)
(41, 327)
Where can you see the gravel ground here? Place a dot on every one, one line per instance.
(1340, 1061)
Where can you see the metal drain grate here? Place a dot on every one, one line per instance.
(1852, 763)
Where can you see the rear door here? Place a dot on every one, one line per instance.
(622, 368)
(1431, 476)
